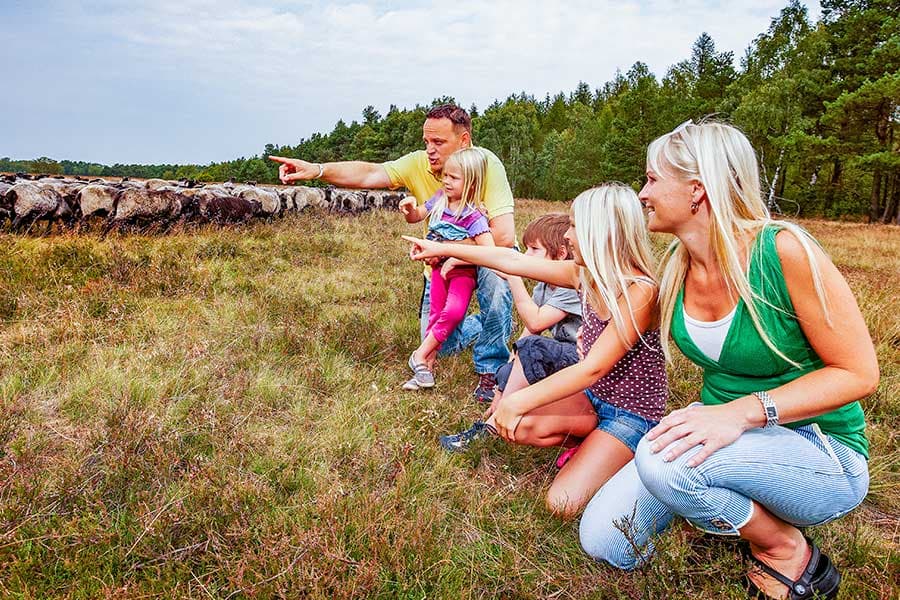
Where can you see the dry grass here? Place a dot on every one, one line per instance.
(216, 413)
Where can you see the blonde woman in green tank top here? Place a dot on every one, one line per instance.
(778, 441)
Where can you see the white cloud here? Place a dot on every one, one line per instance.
(290, 67)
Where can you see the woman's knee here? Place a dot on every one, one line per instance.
(672, 482)
(603, 540)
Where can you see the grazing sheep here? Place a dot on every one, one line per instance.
(391, 199)
(269, 202)
(68, 190)
(214, 206)
(156, 184)
(127, 184)
(231, 209)
(6, 203)
(146, 207)
(97, 200)
(287, 198)
(32, 203)
(306, 197)
(345, 200)
(27, 199)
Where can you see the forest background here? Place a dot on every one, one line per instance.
(820, 101)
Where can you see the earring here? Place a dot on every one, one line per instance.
(695, 206)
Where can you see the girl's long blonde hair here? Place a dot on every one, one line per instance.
(473, 164)
(613, 241)
(720, 157)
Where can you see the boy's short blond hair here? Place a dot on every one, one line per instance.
(549, 231)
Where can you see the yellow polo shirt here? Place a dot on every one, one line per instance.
(413, 172)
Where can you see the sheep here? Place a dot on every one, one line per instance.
(145, 207)
(97, 200)
(69, 199)
(6, 203)
(287, 198)
(345, 200)
(32, 203)
(156, 184)
(215, 206)
(306, 196)
(269, 201)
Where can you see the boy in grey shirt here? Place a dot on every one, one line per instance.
(551, 309)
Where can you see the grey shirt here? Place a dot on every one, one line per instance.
(566, 300)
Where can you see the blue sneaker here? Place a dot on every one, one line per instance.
(459, 442)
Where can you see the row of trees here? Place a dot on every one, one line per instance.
(818, 100)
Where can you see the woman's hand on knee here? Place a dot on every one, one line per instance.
(711, 427)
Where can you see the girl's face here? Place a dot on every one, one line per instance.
(452, 178)
(667, 200)
(571, 238)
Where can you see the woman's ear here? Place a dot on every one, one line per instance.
(698, 192)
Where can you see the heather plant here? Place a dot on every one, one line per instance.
(215, 413)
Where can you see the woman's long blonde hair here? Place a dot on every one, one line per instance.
(473, 164)
(720, 157)
(613, 241)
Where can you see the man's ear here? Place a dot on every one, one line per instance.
(465, 139)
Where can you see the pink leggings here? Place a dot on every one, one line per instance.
(449, 300)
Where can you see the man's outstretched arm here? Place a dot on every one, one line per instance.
(351, 174)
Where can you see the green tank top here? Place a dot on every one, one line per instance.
(747, 365)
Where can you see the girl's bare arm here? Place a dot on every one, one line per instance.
(555, 272)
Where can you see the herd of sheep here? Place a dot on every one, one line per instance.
(73, 201)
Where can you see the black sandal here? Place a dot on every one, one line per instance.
(820, 579)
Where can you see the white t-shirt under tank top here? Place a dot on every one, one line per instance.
(709, 336)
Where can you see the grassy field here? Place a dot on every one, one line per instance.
(216, 413)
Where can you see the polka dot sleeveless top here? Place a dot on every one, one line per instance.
(638, 382)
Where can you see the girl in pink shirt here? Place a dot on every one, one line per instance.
(454, 215)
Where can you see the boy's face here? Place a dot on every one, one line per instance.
(537, 249)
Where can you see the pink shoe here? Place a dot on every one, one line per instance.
(565, 456)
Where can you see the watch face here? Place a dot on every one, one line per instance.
(771, 412)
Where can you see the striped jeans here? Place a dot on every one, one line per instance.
(802, 476)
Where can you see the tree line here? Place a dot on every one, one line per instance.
(820, 101)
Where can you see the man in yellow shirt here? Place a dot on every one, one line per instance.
(447, 129)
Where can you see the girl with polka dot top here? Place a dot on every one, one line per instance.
(618, 391)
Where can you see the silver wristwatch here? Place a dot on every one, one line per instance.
(769, 408)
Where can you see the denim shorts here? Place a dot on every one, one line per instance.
(623, 425)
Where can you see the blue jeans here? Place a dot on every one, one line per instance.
(622, 424)
(802, 476)
(489, 330)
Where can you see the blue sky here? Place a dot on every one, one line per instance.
(194, 81)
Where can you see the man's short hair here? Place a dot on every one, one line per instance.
(549, 231)
(458, 116)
